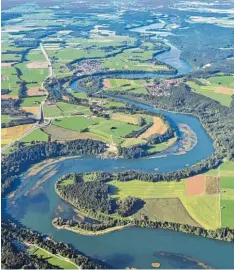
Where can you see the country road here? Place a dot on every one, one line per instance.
(40, 114)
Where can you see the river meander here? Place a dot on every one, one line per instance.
(132, 247)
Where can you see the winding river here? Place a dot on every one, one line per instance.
(134, 247)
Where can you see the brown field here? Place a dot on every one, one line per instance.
(166, 209)
(9, 96)
(125, 118)
(36, 91)
(33, 110)
(158, 127)
(224, 90)
(65, 98)
(37, 64)
(195, 185)
(212, 185)
(63, 134)
(107, 83)
(12, 133)
(8, 64)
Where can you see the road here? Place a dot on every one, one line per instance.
(40, 115)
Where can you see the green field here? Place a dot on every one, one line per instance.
(135, 86)
(169, 209)
(133, 59)
(32, 74)
(35, 135)
(11, 57)
(64, 109)
(6, 118)
(55, 260)
(76, 123)
(211, 88)
(202, 209)
(10, 80)
(31, 101)
(227, 194)
(147, 190)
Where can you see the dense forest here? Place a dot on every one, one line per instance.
(13, 258)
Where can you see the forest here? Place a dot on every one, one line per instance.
(13, 258)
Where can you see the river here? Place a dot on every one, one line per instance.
(134, 247)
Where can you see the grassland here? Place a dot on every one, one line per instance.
(205, 209)
(10, 80)
(135, 86)
(32, 75)
(64, 109)
(55, 260)
(219, 88)
(134, 60)
(31, 101)
(227, 194)
(147, 190)
(169, 209)
(62, 134)
(35, 135)
(202, 209)
(76, 123)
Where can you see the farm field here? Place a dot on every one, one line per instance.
(62, 134)
(133, 59)
(11, 133)
(35, 135)
(169, 209)
(201, 208)
(10, 81)
(55, 260)
(33, 72)
(227, 194)
(220, 88)
(31, 101)
(76, 123)
(135, 86)
(64, 109)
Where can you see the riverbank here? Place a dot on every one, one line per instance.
(91, 233)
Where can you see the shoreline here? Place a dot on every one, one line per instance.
(91, 233)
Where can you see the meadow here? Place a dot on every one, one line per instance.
(133, 59)
(200, 209)
(227, 194)
(35, 135)
(10, 81)
(53, 259)
(219, 88)
(135, 86)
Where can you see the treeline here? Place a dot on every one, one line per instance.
(17, 122)
(224, 234)
(15, 257)
(20, 160)
(12, 232)
(93, 197)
